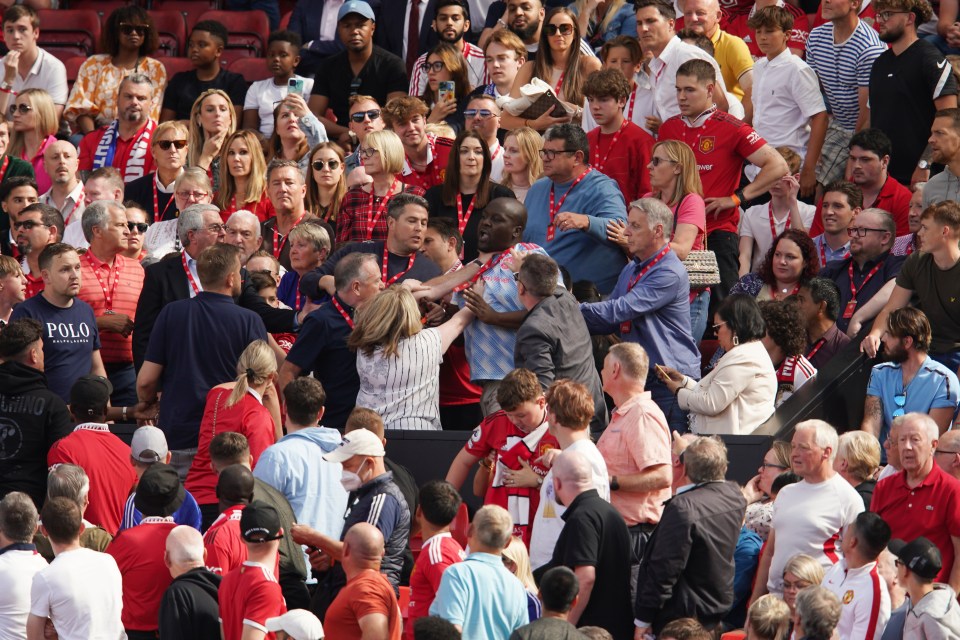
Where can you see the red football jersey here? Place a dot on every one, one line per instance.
(435, 170)
(498, 433)
(225, 547)
(721, 145)
(797, 39)
(139, 555)
(625, 161)
(438, 553)
(249, 595)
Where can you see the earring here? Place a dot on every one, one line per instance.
(736, 341)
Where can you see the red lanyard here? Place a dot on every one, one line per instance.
(76, 205)
(656, 78)
(373, 219)
(186, 270)
(773, 224)
(463, 219)
(278, 248)
(556, 89)
(643, 272)
(613, 142)
(343, 313)
(816, 347)
(633, 96)
(156, 203)
(107, 296)
(3, 169)
(496, 153)
(853, 289)
(489, 264)
(383, 270)
(551, 229)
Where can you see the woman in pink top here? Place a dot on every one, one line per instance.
(35, 122)
(249, 405)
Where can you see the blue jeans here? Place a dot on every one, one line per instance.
(676, 417)
(124, 381)
(698, 315)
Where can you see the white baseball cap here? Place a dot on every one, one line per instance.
(356, 443)
(299, 624)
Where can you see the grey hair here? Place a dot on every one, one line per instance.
(97, 214)
(825, 436)
(656, 212)
(818, 610)
(348, 269)
(191, 219)
(68, 481)
(244, 216)
(886, 221)
(18, 517)
(929, 424)
(137, 78)
(193, 175)
(185, 546)
(493, 526)
(705, 459)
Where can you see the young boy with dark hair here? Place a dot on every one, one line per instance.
(283, 56)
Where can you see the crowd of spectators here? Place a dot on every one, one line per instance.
(594, 236)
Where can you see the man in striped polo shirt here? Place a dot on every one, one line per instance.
(842, 52)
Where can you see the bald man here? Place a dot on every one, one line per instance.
(66, 191)
(594, 543)
(366, 606)
(947, 453)
(189, 609)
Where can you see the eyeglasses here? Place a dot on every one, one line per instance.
(318, 165)
(166, 144)
(562, 29)
(549, 154)
(360, 116)
(946, 453)
(770, 465)
(216, 228)
(436, 67)
(195, 195)
(478, 113)
(900, 399)
(138, 226)
(886, 15)
(366, 152)
(657, 161)
(861, 232)
(22, 108)
(28, 224)
(130, 29)
(718, 325)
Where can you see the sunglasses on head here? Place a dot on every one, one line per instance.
(360, 116)
(562, 29)
(318, 165)
(130, 29)
(138, 226)
(165, 144)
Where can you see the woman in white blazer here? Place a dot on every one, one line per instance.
(738, 395)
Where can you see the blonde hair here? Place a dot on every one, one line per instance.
(176, 125)
(805, 568)
(440, 129)
(689, 179)
(861, 450)
(390, 147)
(530, 143)
(255, 365)
(516, 552)
(768, 618)
(196, 135)
(391, 316)
(313, 189)
(9, 266)
(46, 122)
(256, 181)
(782, 449)
(312, 233)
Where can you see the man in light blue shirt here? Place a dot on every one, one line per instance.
(569, 209)
(479, 595)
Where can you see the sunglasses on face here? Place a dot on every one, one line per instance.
(318, 165)
(27, 224)
(22, 108)
(436, 67)
(137, 226)
(360, 116)
(165, 144)
(562, 29)
(483, 114)
(657, 161)
(130, 29)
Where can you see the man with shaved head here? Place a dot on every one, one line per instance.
(947, 453)
(60, 162)
(366, 607)
(594, 543)
(189, 609)
(224, 546)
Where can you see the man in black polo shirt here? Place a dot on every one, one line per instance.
(594, 543)
(374, 498)
(399, 256)
(871, 267)
(322, 345)
(193, 347)
(819, 303)
(363, 68)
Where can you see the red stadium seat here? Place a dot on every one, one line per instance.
(248, 29)
(73, 69)
(175, 65)
(252, 69)
(69, 32)
(285, 19)
(172, 29)
(191, 10)
(103, 7)
(229, 57)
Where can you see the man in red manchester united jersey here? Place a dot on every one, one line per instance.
(721, 144)
(426, 155)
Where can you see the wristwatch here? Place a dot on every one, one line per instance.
(923, 165)
(614, 483)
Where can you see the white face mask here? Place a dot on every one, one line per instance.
(350, 480)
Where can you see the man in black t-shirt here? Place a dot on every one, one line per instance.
(204, 49)
(908, 84)
(363, 68)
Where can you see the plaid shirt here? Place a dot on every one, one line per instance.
(356, 213)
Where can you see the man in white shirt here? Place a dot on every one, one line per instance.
(81, 590)
(809, 516)
(19, 561)
(60, 161)
(27, 66)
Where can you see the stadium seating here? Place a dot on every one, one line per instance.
(69, 32)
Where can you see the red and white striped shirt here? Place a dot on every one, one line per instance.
(864, 600)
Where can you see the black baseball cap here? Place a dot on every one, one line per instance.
(90, 392)
(159, 492)
(260, 522)
(920, 556)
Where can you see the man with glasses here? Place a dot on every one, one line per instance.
(909, 83)
(37, 226)
(125, 142)
(571, 206)
(16, 194)
(191, 187)
(922, 499)
(154, 192)
(866, 278)
(482, 115)
(362, 67)
(243, 230)
(111, 285)
(365, 117)
(137, 224)
(947, 453)
(912, 381)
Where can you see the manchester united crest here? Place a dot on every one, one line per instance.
(848, 597)
(707, 144)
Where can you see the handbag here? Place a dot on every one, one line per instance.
(701, 265)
